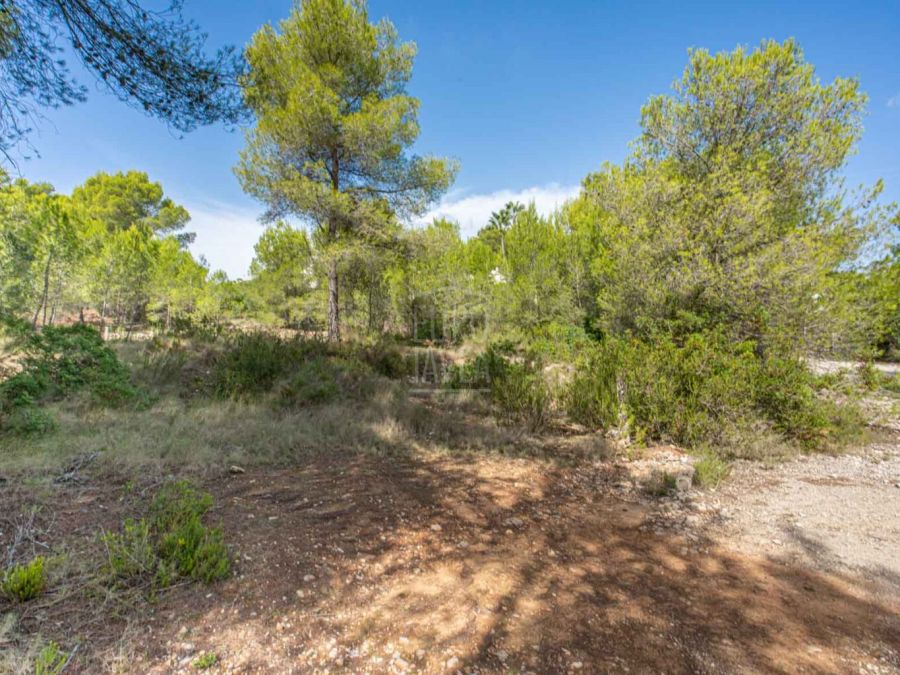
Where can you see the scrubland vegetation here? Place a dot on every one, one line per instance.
(679, 298)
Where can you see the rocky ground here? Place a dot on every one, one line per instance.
(489, 564)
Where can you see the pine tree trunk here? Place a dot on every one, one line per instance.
(43, 304)
(334, 319)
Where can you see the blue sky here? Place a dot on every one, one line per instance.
(529, 96)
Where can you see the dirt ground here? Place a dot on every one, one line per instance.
(356, 563)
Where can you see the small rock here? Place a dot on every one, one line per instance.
(236, 469)
(308, 577)
(452, 663)
(577, 665)
(502, 655)
(436, 527)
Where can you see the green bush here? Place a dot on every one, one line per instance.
(592, 396)
(383, 358)
(710, 470)
(58, 361)
(50, 660)
(26, 420)
(891, 383)
(205, 661)
(25, 582)
(316, 381)
(705, 391)
(171, 542)
(520, 396)
(478, 373)
(251, 363)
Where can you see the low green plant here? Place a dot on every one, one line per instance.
(50, 660)
(171, 542)
(478, 373)
(891, 382)
(710, 470)
(28, 420)
(869, 376)
(205, 661)
(251, 363)
(25, 582)
(316, 381)
(661, 484)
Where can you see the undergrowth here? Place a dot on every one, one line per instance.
(59, 361)
(169, 543)
(25, 582)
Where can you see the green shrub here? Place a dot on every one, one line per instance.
(205, 661)
(478, 373)
(26, 420)
(710, 470)
(131, 554)
(383, 358)
(520, 396)
(592, 396)
(869, 377)
(50, 660)
(171, 542)
(316, 381)
(251, 363)
(58, 361)
(25, 582)
(891, 383)
(705, 391)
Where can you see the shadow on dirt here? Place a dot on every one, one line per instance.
(356, 562)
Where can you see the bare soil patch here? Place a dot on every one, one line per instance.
(355, 563)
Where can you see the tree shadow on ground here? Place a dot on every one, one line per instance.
(412, 560)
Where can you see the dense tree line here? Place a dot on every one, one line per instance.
(730, 216)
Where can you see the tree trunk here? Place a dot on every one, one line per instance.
(43, 303)
(334, 318)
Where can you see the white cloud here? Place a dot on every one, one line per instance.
(894, 101)
(472, 211)
(225, 235)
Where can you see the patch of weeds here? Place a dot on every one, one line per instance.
(252, 362)
(50, 660)
(171, 542)
(25, 582)
(205, 661)
(316, 381)
(29, 420)
(891, 383)
(869, 376)
(661, 484)
(710, 470)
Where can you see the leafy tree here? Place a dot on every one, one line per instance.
(282, 270)
(333, 122)
(732, 211)
(122, 200)
(153, 59)
(41, 243)
(177, 281)
(538, 288)
(494, 233)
